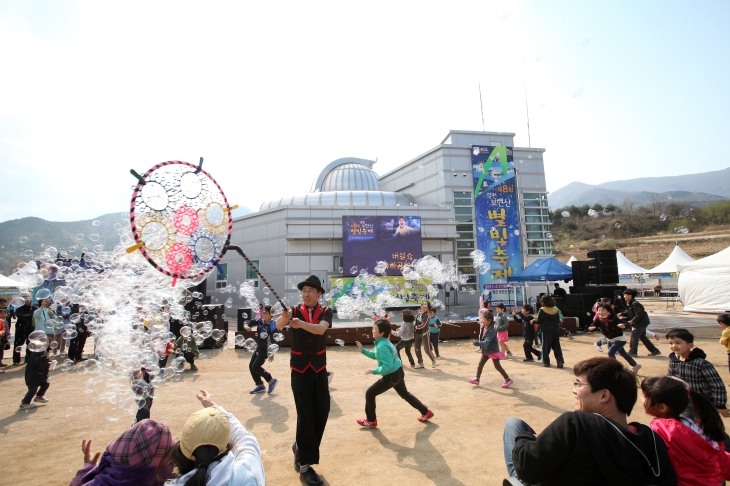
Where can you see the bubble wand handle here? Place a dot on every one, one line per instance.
(238, 250)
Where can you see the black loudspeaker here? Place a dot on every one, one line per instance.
(603, 267)
(241, 319)
(581, 273)
(580, 306)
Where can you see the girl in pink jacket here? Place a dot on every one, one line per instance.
(695, 444)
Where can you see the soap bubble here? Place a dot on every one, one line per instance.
(340, 270)
(663, 217)
(185, 331)
(263, 335)
(683, 230)
(178, 364)
(96, 222)
(53, 345)
(593, 213)
(549, 235)
(42, 294)
(565, 214)
(17, 302)
(517, 232)
(265, 290)
(217, 334)
(478, 256)
(272, 350)
(339, 342)
(353, 270)
(67, 365)
(617, 225)
(19, 349)
(24, 239)
(484, 268)
(278, 337)
(80, 236)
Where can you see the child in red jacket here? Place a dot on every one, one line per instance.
(695, 446)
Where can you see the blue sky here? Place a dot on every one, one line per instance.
(271, 93)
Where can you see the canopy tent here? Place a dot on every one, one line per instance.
(704, 285)
(626, 268)
(8, 286)
(543, 270)
(669, 266)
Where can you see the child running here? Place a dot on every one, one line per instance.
(265, 329)
(434, 331)
(36, 378)
(405, 333)
(528, 332)
(501, 326)
(490, 348)
(391, 369)
(695, 447)
(612, 329)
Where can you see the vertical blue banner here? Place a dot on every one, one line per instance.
(497, 218)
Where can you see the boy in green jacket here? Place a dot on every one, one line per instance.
(190, 352)
(391, 369)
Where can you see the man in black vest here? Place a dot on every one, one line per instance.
(309, 321)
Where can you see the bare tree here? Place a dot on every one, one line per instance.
(628, 207)
(656, 203)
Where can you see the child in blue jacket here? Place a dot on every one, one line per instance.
(391, 370)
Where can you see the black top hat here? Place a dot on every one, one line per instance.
(312, 281)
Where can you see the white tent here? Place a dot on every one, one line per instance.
(571, 259)
(704, 285)
(677, 257)
(626, 268)
(8, 286)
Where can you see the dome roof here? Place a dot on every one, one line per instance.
(345, 182)
(343, 198)
(350, 177)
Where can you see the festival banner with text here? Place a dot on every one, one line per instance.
(497, 218)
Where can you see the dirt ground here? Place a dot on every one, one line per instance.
(462, 445)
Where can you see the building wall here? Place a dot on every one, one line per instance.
(293, 242)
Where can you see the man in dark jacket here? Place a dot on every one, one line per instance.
(593, 445)
(76, 347)
(637, 317)
(23, 326)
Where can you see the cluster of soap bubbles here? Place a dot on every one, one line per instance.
(663, 217)
(593, 213)
(247, 290)
(480, 263)
(370, 294)
(682, 230)
(127, 306)
(251, 346)
(565, 214)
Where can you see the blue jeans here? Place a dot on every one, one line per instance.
(618, 347)
(512, 428)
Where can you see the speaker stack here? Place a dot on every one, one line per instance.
(581, 273)
(603, 267)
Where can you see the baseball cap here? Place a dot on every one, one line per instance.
(208, 426)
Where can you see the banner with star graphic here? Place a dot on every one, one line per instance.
(497, 218)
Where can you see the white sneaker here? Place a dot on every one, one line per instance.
(599, 347)
(635, 369)
(433, 365)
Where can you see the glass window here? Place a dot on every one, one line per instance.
(462, 194)
(250, 273)
(465, 244)
(464, 227)
(375, 198)
(464, 218)
(462, 211)
(222, 267)
(466, 236)
(466, 252)
(299, 200)
(389, 199)
(462, 202)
